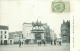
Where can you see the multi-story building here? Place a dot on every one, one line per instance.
(26, 31)
(47, 33)
(65, 31)
(4, 34)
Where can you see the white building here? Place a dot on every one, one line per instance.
(27, 27)
(26, 31)
(4, 34)
(53, 34)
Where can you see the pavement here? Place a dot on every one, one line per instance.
(35, 47)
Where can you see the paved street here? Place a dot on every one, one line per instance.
(35, 47)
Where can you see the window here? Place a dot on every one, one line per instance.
(1, 36)
(1, 41)
(1, 32)
(27, 34)
(5, 32)
(5, 36)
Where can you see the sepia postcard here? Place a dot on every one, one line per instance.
(39, 25)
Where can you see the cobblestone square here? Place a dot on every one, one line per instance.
(35, 47)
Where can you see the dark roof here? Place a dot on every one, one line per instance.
(27, 23)
(12, 34)
(3, 27)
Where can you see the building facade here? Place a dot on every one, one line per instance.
(47, 33)
(65, 31)
(26, 31)
(14, 37)
(4, 34)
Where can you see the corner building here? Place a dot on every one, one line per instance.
(4, 34)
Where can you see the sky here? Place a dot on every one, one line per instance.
(15, 12)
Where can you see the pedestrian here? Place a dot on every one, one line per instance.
(19, 43)
(55, 42)
(59, 41)
(38, 41)
(51, 42)
(44, 42)
(22, 42)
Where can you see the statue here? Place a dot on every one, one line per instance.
(39, 24)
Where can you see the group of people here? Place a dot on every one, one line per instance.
(39, 42)
(55, 42)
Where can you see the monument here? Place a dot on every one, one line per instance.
(38, 31)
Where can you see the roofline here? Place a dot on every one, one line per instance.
(5, 26)
(26, 23)
(4, 29)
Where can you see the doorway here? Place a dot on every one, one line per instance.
(5, 42)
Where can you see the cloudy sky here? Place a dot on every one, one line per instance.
(14, 13)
